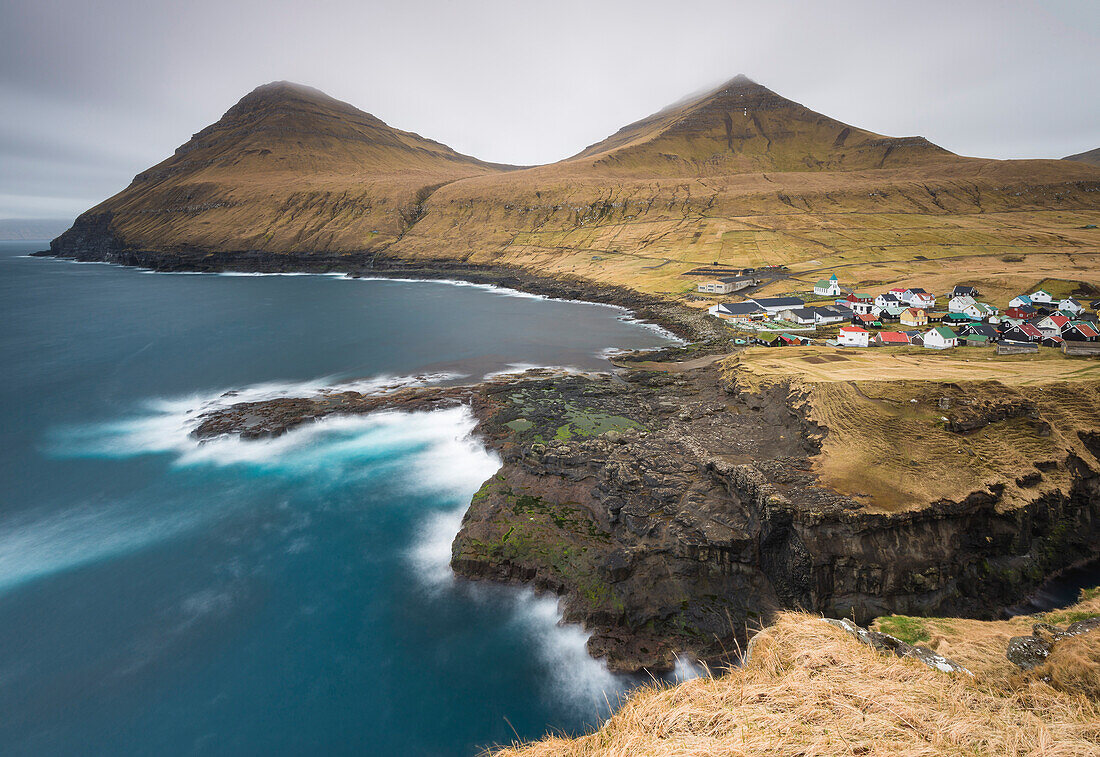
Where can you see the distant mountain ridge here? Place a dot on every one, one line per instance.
(743, 126)
(287, 168)
(291, 178)
(1092, 157)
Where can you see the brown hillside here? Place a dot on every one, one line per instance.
(744, 127)
(1092, 157)
(739, 175)
(287, 168)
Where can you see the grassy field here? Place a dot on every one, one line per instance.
(810, 690)
(890, 442)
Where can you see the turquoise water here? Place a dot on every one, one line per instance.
(280, 597)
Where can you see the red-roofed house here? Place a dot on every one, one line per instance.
(853, 336)
(1022, 332)
(892, 338)
(1080, 331)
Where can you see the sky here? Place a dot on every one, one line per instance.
(94, 91)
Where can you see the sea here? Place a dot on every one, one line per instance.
(288, 596)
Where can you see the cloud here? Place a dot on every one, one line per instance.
(111, 88)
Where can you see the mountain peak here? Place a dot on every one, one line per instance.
(742, 126)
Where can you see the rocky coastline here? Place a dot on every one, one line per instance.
(674, 512)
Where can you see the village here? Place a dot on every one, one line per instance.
(833, 315)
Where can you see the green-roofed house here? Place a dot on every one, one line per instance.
(829, 287)
(941, 338)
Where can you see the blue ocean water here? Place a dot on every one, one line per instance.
(279, 597)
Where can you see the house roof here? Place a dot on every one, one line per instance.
(914, 311)
(945, 332)
(740, 308)
(963, 290)
(980, 328)
(977, 338)
(1028, 329)
(1085, 328)
(810, 313)
(854, 330)
(893, 337)
(822, 284)
(779, 302)
(833, 278)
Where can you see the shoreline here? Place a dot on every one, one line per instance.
(673, 512)
(687, 324)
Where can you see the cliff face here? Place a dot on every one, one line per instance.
(677, 526)
(674, 513)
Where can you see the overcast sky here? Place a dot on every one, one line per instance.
(94, 92)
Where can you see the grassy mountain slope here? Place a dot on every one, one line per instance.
(743, 176)
(287, 168)
(739, 175)
(1092, 157)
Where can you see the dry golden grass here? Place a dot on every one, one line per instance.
(809, 689)
(980, 645)
(887, 444)
(1073, 666)
(819, 364)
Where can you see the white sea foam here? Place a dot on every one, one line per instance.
(32, 547)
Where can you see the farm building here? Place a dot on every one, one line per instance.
(774, 305)
(738, 311)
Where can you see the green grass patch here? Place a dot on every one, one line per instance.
(910, 630)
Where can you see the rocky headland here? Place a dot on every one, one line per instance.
(674, 511)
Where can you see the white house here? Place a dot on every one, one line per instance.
(829, 287)
(918, 298)
(888, 300)
(801, 316)
(1071, 305)
(832, 314)
(1020, 301)
(1041, 297)
(959, 303)
(940, 338)
(853, 336)
(980, 311)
